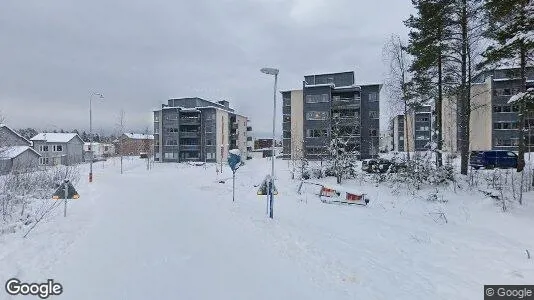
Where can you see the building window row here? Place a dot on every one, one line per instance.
(423, 128)
(506, 91)
(172, 130)
(171, 143)
(316, 133)
(171, 117)
(506, 142)
(422, 119)
(170, 155)
(505, 125)
(505, 108)
(316, 115)
(317, 98)
(373, 97)
(43, 148)
(373, 114)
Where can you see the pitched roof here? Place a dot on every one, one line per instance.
(14, 151)
(52, 137)
(139, 136)
(20, 136)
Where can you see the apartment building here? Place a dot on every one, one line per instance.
(194, 129)
(330, 104)
(413, 132)
(494, 124)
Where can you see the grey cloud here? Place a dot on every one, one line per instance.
(140, 53)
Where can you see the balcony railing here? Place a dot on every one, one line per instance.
(190, 147)
(349, 102)
(190, 121)
(189, 134)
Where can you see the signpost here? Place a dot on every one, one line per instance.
(267, 188)
(234, 161)
(65, 191)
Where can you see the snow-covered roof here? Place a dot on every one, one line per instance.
(319, 85)
(53, 137)
(14, 151)
(139, 136)
(6, 127)
(353, 86)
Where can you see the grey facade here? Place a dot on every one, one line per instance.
(334, 106)
(422, 119)
(58, 148)
(505, 126)
(188, 129)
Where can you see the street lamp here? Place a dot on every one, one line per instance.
(272, 71)
(100, 96)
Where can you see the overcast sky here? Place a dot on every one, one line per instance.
(139, 53)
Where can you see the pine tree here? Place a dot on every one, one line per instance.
(512, 29)
(430, 32)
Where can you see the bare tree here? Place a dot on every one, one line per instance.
(120, 132)
(398, 80)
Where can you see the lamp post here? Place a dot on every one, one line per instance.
(100, 96)
(272, 71)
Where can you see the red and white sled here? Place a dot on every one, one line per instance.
(340, 195)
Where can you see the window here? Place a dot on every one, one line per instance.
(373, 114)
(156, 142)
(373, 97)
(171, 142)
(287, 134)
(316, 133)
(506, 108)
(423, 128)
(401, 138)
(44, 148)
(210, 155)
(170, 155)
(505, 125)
(316, 115)
(209, 128)
(317, 98)
(497, 108)
(156, 118)
(373, 132)
(43, 160)
(330, 80)
(287, 119)
(209, 142)
(156, 130)
(515, 108)
(173, 117)
(422, 137)
(507, 92)
(422, 119)
(172, 129)
(57, 148)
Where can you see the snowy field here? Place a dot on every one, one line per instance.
(173, 232)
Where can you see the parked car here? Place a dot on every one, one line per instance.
(376, 165)
(493, 159)
(143, 155)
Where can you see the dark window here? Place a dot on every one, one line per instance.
(497, 108)
(507, 92)
(506, 108)
(373, 132)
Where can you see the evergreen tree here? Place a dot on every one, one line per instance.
(512, 30)
(430, 30)
(85, 137)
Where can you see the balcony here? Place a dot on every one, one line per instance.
(189, 121)
(234, 136)
(189, 147)
(235, 125)
(346, 102)
(189, 134)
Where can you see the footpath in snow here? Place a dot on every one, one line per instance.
(173, 232)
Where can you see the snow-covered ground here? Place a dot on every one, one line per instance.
(173, 232)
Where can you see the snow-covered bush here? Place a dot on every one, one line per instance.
(20, 191)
